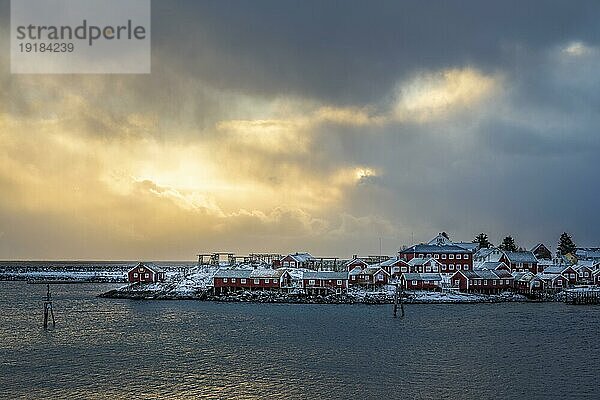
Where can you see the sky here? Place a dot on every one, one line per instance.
(320, 126)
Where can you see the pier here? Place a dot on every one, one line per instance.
(582, 297)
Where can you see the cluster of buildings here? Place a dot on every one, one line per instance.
(439, 265)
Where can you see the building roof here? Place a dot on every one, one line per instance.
(266, 273)
(233, 273)
(491, 265)
(301, 257)
(422, 277)
(421, 261)
(432, 248)
(390, 262)
(373, 270)
(325, 275)
(555, 269)
(520, 256)
(472, 247)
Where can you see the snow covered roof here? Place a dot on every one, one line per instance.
(432, 248)
(421, 261)
(422, 277)
(588, 252)
(233, 273)
(373, 270)
(301, 257)
(555, 269)
(151, 266)
(520, 256)
(390, 262)
(523, 276)
(472, 247)
(325, 275)
(491, 265)
(355, 271)
(266, 273)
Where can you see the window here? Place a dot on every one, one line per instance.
(436, 256)
(379, 277)
(494, 282)
(485, 281)
(257, 281)
(421, 255)
(311, 282)
(146, 275)
(443, 267)
(465, 266)
(353, 277)
(292, 263)
(242, 281)
(403, 269)
(443, 256)
(428, 269)
(414, 283)
(451, 267)
(286, 263)
(435, 268)
(457, 282)
(458, 256)
(536, 284)
(232, 280)
(466, 256)
(559, 282)
(135, 274)
(458, 267)
(451, 256)
(224, 280)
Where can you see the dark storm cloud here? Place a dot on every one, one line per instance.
(352, 51)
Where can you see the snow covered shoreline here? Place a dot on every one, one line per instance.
(164, 292)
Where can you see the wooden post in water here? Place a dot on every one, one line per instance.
(48, 308)
(396, 296)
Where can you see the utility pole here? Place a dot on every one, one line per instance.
(48, 308)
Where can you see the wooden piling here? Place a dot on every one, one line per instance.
(48, 311)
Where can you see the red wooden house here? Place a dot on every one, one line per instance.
(355, 262)
(425, 281)
(145, 273)
(451, 256)
(231, 280)
(298, 260)
(370, 276)
(520, 261)
(482, 281)
(584, 274)
(527, 283)
(554, 281)
(324, 282)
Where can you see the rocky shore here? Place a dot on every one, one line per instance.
(152, 292)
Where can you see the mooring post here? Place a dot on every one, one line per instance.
(48, 308)
(396, 301)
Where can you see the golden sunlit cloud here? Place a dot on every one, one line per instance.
(434, 95)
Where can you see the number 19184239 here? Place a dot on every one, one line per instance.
(46, 47)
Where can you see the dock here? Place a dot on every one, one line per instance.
(582, 297)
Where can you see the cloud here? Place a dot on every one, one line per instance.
(434, 95)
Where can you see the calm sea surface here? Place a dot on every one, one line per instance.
(107, 349)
